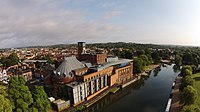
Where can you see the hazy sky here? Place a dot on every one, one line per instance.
(46, 22)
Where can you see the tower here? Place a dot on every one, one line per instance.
(81, 48)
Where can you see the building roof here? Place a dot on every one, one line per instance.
(108, 64)
(69, 64)
(34, 61)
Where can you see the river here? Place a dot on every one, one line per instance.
(149, 94)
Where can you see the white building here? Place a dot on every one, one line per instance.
(77, 92)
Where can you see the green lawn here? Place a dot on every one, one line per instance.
(196, 77)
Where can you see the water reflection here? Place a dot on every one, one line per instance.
(111, 98)
(156, 71)
(176, 68)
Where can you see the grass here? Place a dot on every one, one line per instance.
(149, 67)
(196, 77)
(114, 90)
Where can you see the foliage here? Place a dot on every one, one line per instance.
(190, 108)
(5, 105)
(11, 60)
(138, 65)
(33, 109)
(126, 54)
(156, 57)
(19, 94)
(186, 81)
(189, 95)
(196, 77)
(186, 70)
(145, 60)
(41, 102)
(4, 101)
(140, 52)
(178, 60)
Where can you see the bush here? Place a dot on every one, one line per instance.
(190, 108)
(187, 81)
(189, 96)
(186, 70)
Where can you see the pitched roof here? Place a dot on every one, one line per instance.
(69, 64)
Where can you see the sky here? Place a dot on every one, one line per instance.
(47, 22)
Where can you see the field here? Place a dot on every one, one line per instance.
(196, 77)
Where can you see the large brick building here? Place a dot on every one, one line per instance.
(98, 72)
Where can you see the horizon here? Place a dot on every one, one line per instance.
(50, 45)
(44, 23)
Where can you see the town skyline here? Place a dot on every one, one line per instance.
(35, 23)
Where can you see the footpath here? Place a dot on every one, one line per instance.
(175, 106)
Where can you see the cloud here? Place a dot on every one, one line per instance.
(108, 4)
(111, 14)
(35, 22)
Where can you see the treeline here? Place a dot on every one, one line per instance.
(11, 60)
(18, 97)
(189, 56)
(129, 46)
(189, 94)
(145, 58)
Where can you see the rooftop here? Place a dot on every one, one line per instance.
(69, 64)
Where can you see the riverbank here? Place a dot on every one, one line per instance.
(148, 69)
(175, 105)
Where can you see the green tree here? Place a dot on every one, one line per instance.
(5, 105)
(138, 65)
(33, 109)
(190, 108)
(156, 57)
(187, 81)
(41, 102)
(140, 52)
(189, 96)
(14, 58)
(19, 94)
(186, 70)
(178, 60)
(145, 60)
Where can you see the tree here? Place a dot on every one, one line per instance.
(186, 81)
(41, 102)
(178, 60)
(190, 108)
(188, 96)
(186, 70)
(19, 94)
(145, 60)
(138, 65)
(156, 57)
(5, 105)
(11, 60)
(14, 58)
(140, 52)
